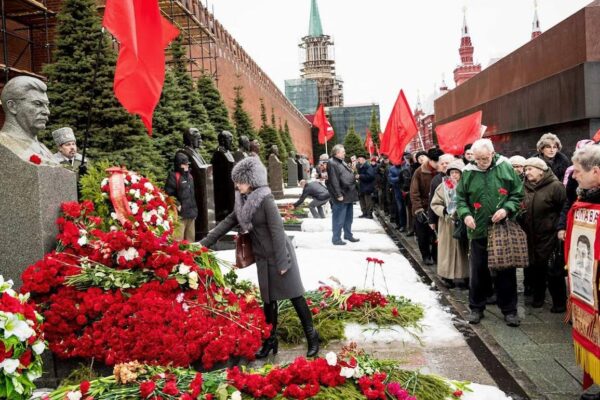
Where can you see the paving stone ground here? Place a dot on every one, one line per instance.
(539, 353)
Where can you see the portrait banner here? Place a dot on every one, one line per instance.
(116, 181)
(582, 252)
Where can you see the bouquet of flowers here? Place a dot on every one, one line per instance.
(21, 343)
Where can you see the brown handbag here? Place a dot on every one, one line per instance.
(507, 246)
(244, 256)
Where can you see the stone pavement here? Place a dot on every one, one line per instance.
(538, 354)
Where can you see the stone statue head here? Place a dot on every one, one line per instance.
(25, 105)
(275, 150)
(225, 140)
(244, 143)
(292, 154)
(192, 138)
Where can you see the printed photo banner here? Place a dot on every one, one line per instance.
(118, 199)
(582, 252)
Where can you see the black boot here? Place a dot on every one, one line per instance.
(312, 336)
(270, 310)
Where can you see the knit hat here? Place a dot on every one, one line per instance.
(536, 162)
(457, 164)
(373, 158)
(517, 161)
(419, 154)
(324, 157)
(63, 135)
(250, 171)
(434, 154)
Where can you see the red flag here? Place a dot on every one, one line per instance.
(596, 137)
(143, 35)
(369, 145)
(399, 131)
(453, 136)
(320, 121)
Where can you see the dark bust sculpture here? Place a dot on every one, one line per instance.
(223, 162)
(26, 113)
(192, 140)
(255, 148)
(275, 150)
(243, 150)
(225, 139)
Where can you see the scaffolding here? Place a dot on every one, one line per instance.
(25, 37)
(318, 64)
(197, 27)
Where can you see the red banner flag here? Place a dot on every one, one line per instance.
(596, 137)
(143, 35)
(399, 131)
(369, 145)
(320, 121)
(453, 136)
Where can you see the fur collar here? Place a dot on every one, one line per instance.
(246, 206)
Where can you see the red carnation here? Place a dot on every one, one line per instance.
(395, 312)
(315, 310)
(457, 393)
(146, 388)
(477, 206)
(35, 159)
(25, 358)
(503, 191)
(449, 184)
(84, 387)
(171, 388)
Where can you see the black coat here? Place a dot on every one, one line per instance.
(558, 165)
(273, 252)
(435, 182)
(366, 178)
(340, 181)
(180, 185)
(315, 190)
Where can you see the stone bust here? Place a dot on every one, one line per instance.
(275, 150)
(255, 148)
(225, 139)
(192, 139)
(244, 144)
(26, 111)
(292, 155)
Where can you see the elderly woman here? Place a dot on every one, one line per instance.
(545, 196)
(256, 213)
(518, 164)
(549, 148)
(453, 262)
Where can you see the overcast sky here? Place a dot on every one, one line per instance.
(382, 46)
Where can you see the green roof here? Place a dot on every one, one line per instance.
(315, 28)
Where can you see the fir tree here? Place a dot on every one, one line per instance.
(170, 121)
(192, 101)
(114, 134)
(353, 143)
(241, 119)
(374, 127)
(287, 138)
(283, 153)
(215, 106)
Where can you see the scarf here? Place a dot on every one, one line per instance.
(247, 204)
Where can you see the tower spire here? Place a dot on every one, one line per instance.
(315, 28)
(536, 30)
(465, 27)
(467, 68)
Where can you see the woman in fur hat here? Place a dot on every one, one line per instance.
(256, 213)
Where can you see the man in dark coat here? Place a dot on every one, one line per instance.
(318, 193)
(399, 179)
(366, 186)
(180, 184)
(419, 196)
(341, 184)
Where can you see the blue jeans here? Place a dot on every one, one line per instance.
(401, 209)
(342, 215)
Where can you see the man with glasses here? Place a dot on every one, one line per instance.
(488, 192)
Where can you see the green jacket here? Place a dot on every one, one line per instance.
(483, 188)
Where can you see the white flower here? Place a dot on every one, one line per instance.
(137, 194)
(82, 241)
(132, 191)
(134, 178)
(331, 358)
(148, 186)
(33, 375)
(193, 280)
(39, 347)
(129, 254)
(358, 373)
(13, 326)
(148, 197)
(161, 210)
(347, 372)
(104, 182)
(236, 395)
(134, 208)
(180, 298)
(184, 269)
(185, 307)
(166, 225)
(74, 395)
(9, 365)
(113, 215)
(5, 285)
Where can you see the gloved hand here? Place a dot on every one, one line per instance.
(421, 217)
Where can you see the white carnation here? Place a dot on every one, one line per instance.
(129, 254)
(236, 395)
(184, 269)
(134, 208)
(9, 365)
(82, 241)
(74, 395)
(39, 347)
(347, 372)
(193, 280)
(148, 186)
(331, 358)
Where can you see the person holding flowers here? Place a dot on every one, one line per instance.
(488, 192)
(256, 213)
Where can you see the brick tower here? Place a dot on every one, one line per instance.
(466, 69)
(318, 61)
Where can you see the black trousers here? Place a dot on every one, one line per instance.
(542, 276)
(505, 282)
(426, 240)
(366, 203)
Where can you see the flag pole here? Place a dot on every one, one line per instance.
(326, 152)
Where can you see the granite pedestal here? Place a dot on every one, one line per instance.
(292, 168)
(275, 176)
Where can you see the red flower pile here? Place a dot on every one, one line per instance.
(300, 380)
(144, 297)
